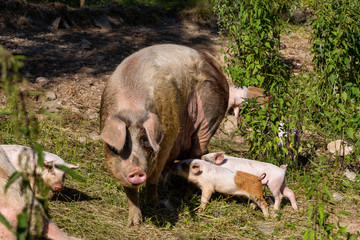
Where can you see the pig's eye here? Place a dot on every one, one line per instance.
(113, 150)
(143, 141)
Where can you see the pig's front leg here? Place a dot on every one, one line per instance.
(205, 196)
(135, 217)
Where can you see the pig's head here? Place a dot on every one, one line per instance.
(132, 142)
(189, 168)
(54, 177)
(216, 158)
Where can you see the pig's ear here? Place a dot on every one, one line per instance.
(154, 131)
(114, 132)
(72, 166)
(218, 158)
(196, 169)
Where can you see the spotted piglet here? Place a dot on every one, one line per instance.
(275, 176)
(211, 178)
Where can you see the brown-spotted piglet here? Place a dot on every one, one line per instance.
(275, 176)
(211, 178)
(238, 94)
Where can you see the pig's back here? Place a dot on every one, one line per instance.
(253, 167)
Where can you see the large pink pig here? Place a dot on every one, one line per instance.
(162, 103)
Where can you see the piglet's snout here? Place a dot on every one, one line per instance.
(57, 187)
(136, 177)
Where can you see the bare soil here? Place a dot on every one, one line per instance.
(76, 50)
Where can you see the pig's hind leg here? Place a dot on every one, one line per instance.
(290, 194)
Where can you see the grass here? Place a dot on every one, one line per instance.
(97, 208)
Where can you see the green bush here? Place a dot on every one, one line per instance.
(252, 29)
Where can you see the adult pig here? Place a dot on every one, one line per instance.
(162, 103)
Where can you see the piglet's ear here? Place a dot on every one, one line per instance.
(154, 131)
(196, 169)
(114, 132)
(218, 158)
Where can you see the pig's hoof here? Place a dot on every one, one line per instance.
(132, 223)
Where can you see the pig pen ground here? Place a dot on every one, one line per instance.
(70, 55)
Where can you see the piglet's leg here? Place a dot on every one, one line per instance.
(290, 194)
(278, 197)
(205, 196)
(260, 201)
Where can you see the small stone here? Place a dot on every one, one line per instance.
(230, 125)
(42, 81)
(50, 95)
(350, 175)
(86, 44)
(66, 25)
(337, 196)
(239, 139)
(103, 23)
(339, 146)
(56, 23)
(100, 58)
(82, 139)
(94, 136)
(115, 21)
(265, 228)
(53, 106)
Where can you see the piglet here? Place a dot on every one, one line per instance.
(211, 178)
(275, 176)
(238, 94)
(25, 158)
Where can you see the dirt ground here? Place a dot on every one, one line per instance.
(72, 53)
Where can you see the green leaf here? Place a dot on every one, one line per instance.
(22, 225)
(344, 213)
(344, 96)
(310, 214)
(12, 179)
(38, 151)
(327, 192)
(71, 172)
(309, 235)
(350, 133)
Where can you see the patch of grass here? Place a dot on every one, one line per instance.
(97, 208)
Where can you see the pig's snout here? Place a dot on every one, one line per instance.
(136, 177)
(57, 187)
